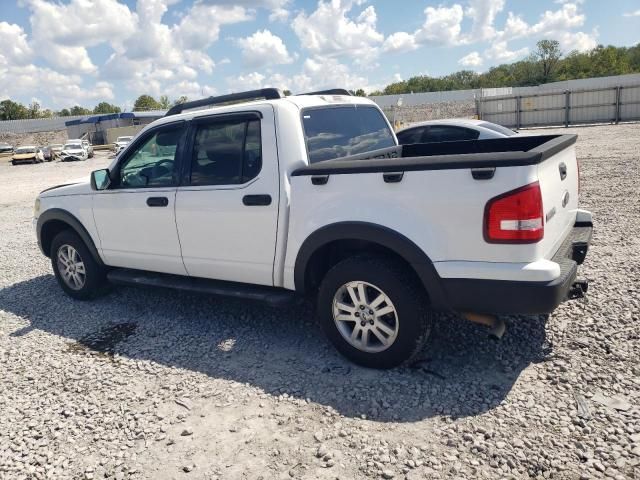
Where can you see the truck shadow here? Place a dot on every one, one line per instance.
(460, 373)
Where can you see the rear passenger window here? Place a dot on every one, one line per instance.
(336, 132)
(226, 152)
(444, 133)
(409, 137)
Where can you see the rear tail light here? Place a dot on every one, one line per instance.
(515, 217)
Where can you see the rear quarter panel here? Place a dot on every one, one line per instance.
(441, 211)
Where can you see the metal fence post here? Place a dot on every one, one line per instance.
(518, 110)
(567, 107)
(617, 119)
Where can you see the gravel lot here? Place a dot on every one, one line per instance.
(157, 384)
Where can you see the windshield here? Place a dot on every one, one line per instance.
(73, 146)
(336, 132)
(25, 150)
(124, 139)
(498, 128)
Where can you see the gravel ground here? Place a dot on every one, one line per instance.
(157, 384)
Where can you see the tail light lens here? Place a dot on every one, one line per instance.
(515, 217)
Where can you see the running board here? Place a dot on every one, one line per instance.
(271, 295)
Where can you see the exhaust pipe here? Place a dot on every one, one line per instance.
(578, 289)
(496, 325)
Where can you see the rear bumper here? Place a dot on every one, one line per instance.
(517, 297)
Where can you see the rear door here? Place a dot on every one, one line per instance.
(227, 206)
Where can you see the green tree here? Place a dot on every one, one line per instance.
(360, 93)
(104, 107)
(78, 110)
(146, 102)
(34, 109)
(10, 110)
(182, 99)
(547, 55)
(64, 113)
(164, 102)
(287, 93)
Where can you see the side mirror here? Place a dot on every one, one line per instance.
(100, 179)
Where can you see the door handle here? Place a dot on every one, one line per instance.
(563, 171)
(256, 200)
(157, 201)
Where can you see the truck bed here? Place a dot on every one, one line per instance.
(503, 152)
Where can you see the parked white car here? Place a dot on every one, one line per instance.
(121, 143)
(88, 147)
(311, 195)
(452, 130)
(72, 151)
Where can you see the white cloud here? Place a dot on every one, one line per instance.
(473, 59)
(250, 81)
(500, 52)
(580, 41)
(632, 14)
(400, 42)
(317, 73)
(262, 48)
(442, 26)
(201, 26)
(279, 15)
(62, 89)
(330, 31)
(15, 49)
(483, 13)
(64, 31)
(555, 24)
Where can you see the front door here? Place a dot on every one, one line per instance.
(135, 216)
(227, 207)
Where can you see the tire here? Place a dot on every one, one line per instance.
(14, 163)
(94, 279)
(408, 324)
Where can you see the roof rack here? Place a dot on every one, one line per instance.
(331, 91)
(266, 93)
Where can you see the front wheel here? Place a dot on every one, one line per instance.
(77, 272)
(374, 311)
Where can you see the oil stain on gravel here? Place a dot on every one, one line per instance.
(103, 341)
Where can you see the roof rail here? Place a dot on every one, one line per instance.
(331, 91)
(266, 93)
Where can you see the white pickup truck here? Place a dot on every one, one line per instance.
(278, 197)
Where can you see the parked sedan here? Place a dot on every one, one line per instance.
(451, 130)
(27, 154)
(5, 148)
(73, 151)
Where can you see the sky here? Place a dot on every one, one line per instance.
(80, 52)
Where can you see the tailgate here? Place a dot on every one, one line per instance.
(559, 178)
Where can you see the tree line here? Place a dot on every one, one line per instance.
(10, 110)
(546, 64)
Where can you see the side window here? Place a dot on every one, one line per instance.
(445, 133)
(409, 137)
(226, 152)
(153, 163)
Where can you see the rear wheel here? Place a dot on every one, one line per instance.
(77, 272)
(374, 311)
